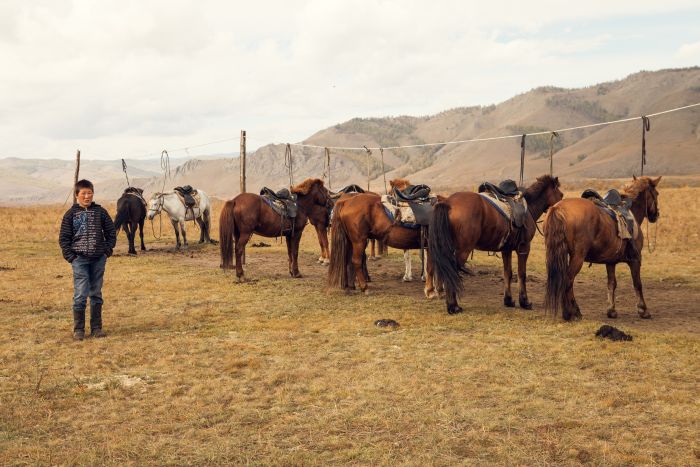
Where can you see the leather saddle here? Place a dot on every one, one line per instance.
(138, 192)
(508, 192)
(418, 198)
(613, 203)
(187, 193)
(282, 202)
(348, 189)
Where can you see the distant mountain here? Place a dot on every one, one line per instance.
(673, 144)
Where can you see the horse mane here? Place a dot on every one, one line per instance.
(633, 188)
(304, 187)
(400, 183)
(542, 182)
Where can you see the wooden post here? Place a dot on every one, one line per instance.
(242, 161)
(77, 170)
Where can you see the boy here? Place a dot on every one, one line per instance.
(87, 239)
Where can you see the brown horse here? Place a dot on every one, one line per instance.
(577, 231)
(357, 219)
(247, 213)
(466, 221)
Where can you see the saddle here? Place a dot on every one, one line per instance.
(412, 207)
(348, 189)
(138, 192)
(282, 202)
(508, 194)
(617, 208)
(187, 194)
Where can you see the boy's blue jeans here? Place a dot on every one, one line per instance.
(88, 275)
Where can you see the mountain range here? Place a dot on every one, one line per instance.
(610, 151)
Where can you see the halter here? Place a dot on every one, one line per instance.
(158, 211)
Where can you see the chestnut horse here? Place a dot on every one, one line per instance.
(247, 213)
(466, 221)
(577, 231)
(357, 219)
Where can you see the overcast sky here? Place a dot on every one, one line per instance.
(130, 78)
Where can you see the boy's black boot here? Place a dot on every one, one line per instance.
(78, 325)
(96, 320)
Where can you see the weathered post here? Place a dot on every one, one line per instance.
(77, 171)
(242, 161)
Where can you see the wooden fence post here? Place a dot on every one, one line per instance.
(77, 170)
(242, 161)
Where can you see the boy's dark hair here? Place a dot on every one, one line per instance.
(83, 184)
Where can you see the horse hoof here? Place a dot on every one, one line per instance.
(430, 294)
(407, 279)
(526, 305)
(612, 314)
(366, 292)
(240, 279)
(453, 310)
(644, 314)
(131, 253)
(373, 258)
(508, 301)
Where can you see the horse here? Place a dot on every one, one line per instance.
(248, 213)
(466, 221)
(171, 203)
(131, 213)
(323, 222)
(357, 219)
(577, 231)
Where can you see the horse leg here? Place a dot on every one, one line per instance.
(202, 229)
(239, 248)
(183, 228)
(358, 251)
(507, 257)
(523, 301)
(635, 269)
(571, 309)
(429, 288)
(293, 247)
(372, 255)
(143, 246)
(451, 298)
(612, 285)
(322, 235)
(131, 235)
(177, 233)
(408, 273)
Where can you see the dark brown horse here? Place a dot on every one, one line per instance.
(247, 213)
(357, 219)
(131, 214)
(466, 221)
(577, 231)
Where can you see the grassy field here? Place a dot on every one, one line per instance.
(198, 369)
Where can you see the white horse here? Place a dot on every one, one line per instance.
(172, 204)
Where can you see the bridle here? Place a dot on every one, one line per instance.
(655, 204)
(158, 210)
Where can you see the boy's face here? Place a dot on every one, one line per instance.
(85, 197)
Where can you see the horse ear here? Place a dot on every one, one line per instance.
(556, 180)
(656, 182)
(634, 177)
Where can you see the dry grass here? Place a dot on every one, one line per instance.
(198, 369)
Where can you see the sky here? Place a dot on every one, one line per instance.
(131, 78)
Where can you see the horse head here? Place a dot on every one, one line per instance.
(645, 187)
(314, 190)
(546, 190)
(155, 204)
(399, 184)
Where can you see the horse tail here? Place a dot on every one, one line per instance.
(341, 249)
(123, 216)
(442, 251)
(557, 260)
(227, 231)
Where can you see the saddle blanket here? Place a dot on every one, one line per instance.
(403, 212)
(503, 208)
(627, 229)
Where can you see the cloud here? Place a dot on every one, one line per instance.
(120, 78)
